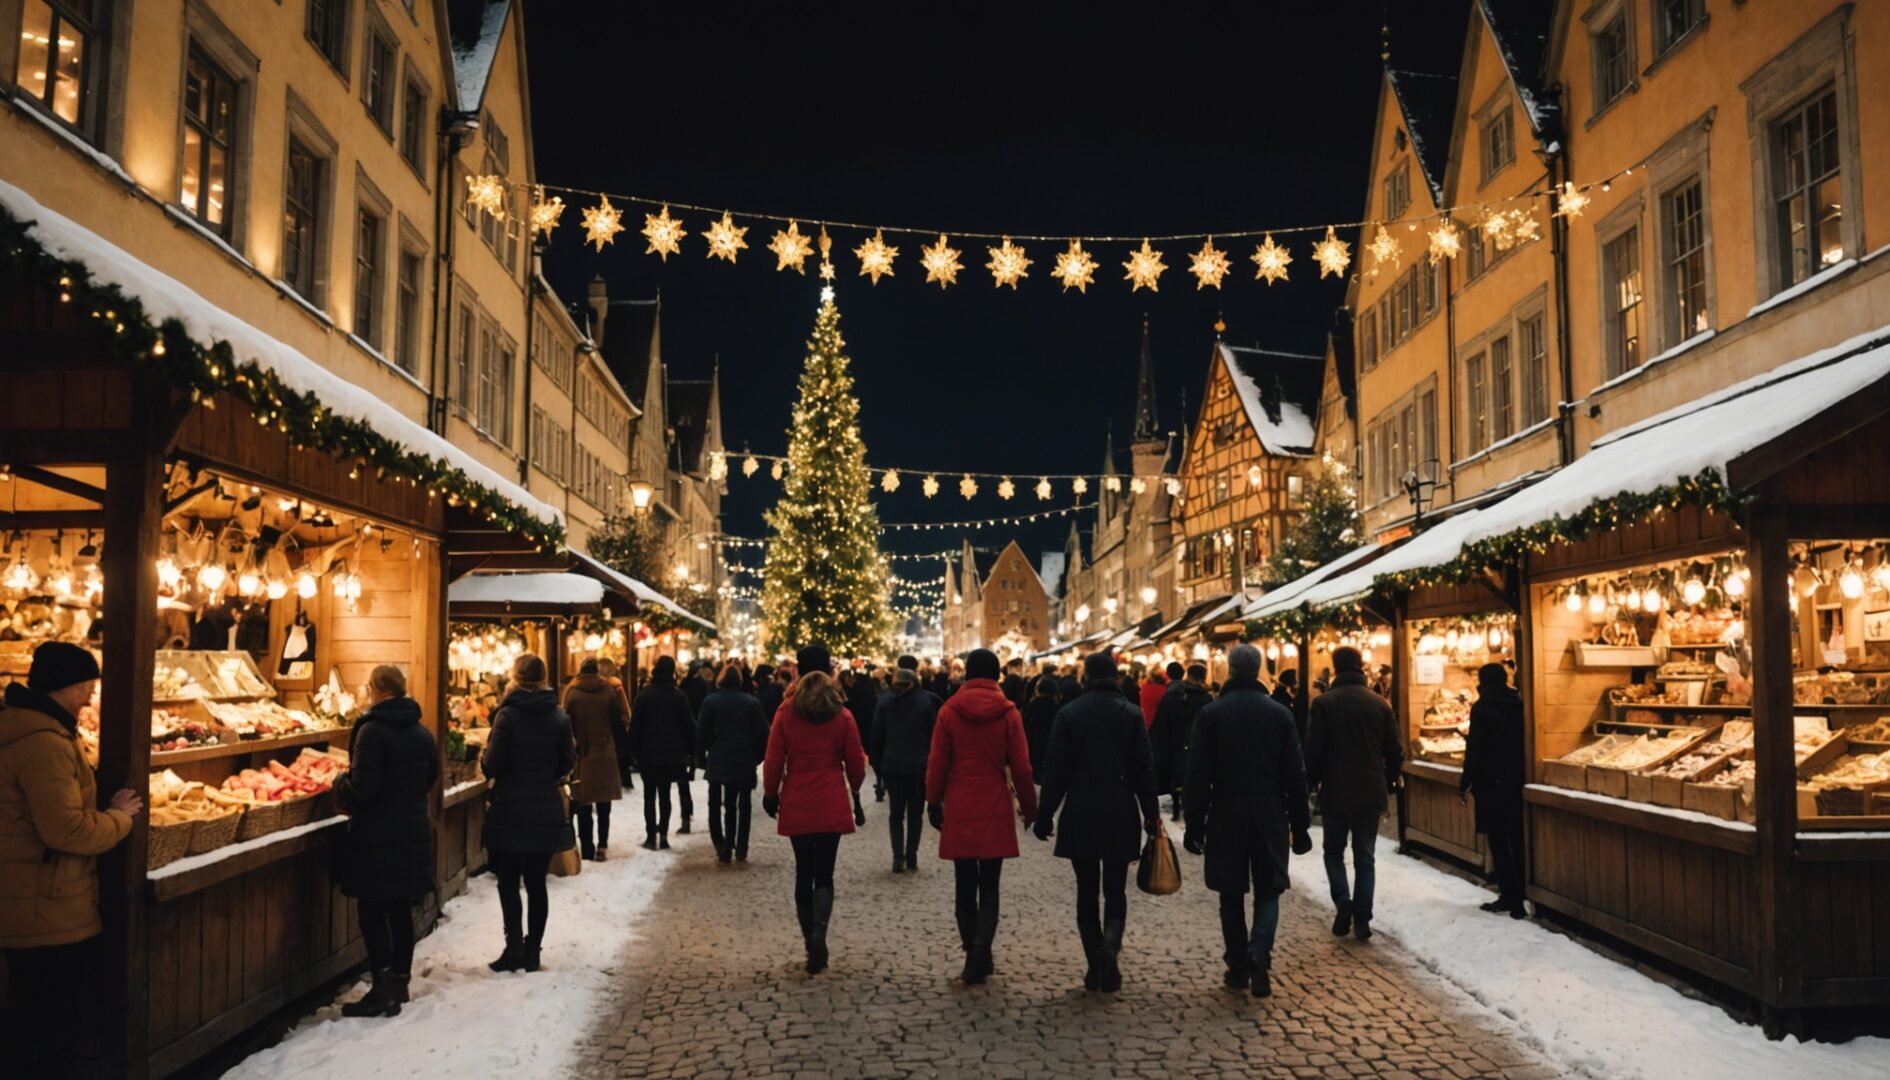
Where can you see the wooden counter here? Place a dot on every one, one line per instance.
(1431, 817)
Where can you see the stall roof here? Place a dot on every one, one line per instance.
(1284, 597)
(1436, 546)
(165, 297)
(1189, 619)
(532, 590)
(627, 586)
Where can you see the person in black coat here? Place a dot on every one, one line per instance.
(1493, 772)
(901, 743)
(393, 765)
(772, 690)
(1040, 716)
(1014, 686)
(1173, 728)
(696, 688)
(1246, 788)
(1353, 756)
(732, 738)
(1286, 692)
(862, 701)
(1100, 765)
(528, 755)
(662, 740)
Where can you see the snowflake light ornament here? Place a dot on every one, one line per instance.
(1137, 485)
(750, 466)
(725, 238)
(545, 214)
(486, 193)
(1075, 268)
(663, 232)
(1332, 254)
(1008, 264)
(1446, 241)
(1386, 255)
(777, 472)
(1144, 267)
(1271, 260)
(1080, 486)
(1043, 488)
(1209, 265)
(718, 465)
(930, 487)
(967, 486)
(1570, 200)
(1112, 483)
(889, 483)
(791, 249)
(876, 257)
(602, 223)
(1006, 489)
(941, 262)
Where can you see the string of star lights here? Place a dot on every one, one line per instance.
(943, 254)
(984, 523)
(1007, 486)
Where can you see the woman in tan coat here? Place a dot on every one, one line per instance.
(598, 721)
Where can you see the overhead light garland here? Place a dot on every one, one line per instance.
(876, 257)
(602, 223)
(545, 214)
(1271, 260)
(1332, 254)
(725, 238)
(1209, 265)
(664, 233)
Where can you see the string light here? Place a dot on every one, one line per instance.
(1209, 265)
(487, 195)
(602, 223)
(545, 214)
(1332, 254)
(1386, 255)
(876, 257)
(725, 238)
(664, 233)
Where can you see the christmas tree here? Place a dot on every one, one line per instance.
(824, 581)
(1327, 526)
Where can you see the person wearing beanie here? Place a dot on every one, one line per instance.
(1353, 757)
(1494, 772)
(49, 923)
(662, 741)
(528, 755)
(901, 741)
(1245, 800)
(978, 757)
(814, 657)
(1099, 772)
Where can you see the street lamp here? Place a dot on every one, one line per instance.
(640, 494)
(1148, 596)
(1110, 604)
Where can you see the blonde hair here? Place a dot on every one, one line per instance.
(607, 667)
(528, 671)
(387, 679)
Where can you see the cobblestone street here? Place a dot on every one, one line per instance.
(714, 985)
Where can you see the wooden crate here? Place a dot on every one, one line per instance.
(1604, 780)
(1835, 747)
(1565, 774)
(1712, 799)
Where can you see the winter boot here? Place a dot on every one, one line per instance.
(649, 842)
(684, 831)
(1238, 976)
(528, 954)
(378, 1001)
(1342, 921)
(662, 839)
(967, 916)
(817, 931)
(509, 959)
(603, 852)
(1109, 973)
(981, 944)
(398, 987)
(899, 864)
(1362, 929)
(1262, 981)
(1092, 951)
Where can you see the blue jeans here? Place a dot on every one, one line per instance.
(1244, 953)
(1362, 831)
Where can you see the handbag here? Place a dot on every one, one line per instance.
(1159, 872)
(566, 863)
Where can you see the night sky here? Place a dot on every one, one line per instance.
(1098, 119)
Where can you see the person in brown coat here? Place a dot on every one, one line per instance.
(598, 723)
(51, 834)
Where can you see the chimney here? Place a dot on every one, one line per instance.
(600, 307)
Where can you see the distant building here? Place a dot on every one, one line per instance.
(990, 594)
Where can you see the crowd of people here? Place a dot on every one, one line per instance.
(978, 748)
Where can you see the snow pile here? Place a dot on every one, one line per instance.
(1587, 1013)
(1292, 434)
(467, 1023)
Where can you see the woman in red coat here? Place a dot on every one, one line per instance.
(816, 744)
(978, 736)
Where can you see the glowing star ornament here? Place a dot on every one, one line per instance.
(1446, 241)
(1008, 263)
(718, 465)
(1209, 265)
(889, 483)
(967, 486)
(930, 486)
(664, 233)
(1385, 253)
(1172, 485)
(1271, 260)
(1570, 200)
(941, 262)
(1137, 485)
(487, 195)
(1332, 254)
(545, 214)
(791, 248)
(777, 472)
(602, 223)
(725, 238)
(1112, 483)
(1145, 267)
(750, 466)
(1075, 268)
(876, 257)
(1080, 486)
(1043, 488)
(1006, 489)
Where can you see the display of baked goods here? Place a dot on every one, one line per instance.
(1593, 752)
(1854, 770)
(1645, 750)
(1735, 774)
(1737, 733)
(1687, 669)
(1877, 730)
(235, 676)
(311, 773)
(1448, 708)
(1450, 744)
(1699, 627)
(1808, 734)
(171, 730)
(261, 719)
(174, 682)
(1689, 764)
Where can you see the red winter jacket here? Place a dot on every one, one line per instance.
(1152, 692)
(977, 735)
(817, 796)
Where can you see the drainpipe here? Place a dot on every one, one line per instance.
(1446, 467)
(456, 130)
(1565, 360)
(533, 290)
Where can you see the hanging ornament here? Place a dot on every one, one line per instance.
(1272, 260)
(664, 233)
(889, 483)
(1075, 268)
(876, 257)
(1080, 486)
(1043, 488)
(1446, 241)
(1144, 267)
(1137, 485)
(1209, 265)
(1384, 251)
(1112, 483)
(545, 214)
(930, 487)
(1523, 227)
(777, 471)
(1008, 264)
(725, 238)
(1006, 489)
(791, 248)
(487, 195)
(602, 223)
(941, 262)
(1173, 485)
(750, 465)
(718, 465)
(1570, 200)
(1332, 254)
(1495, 229)
(967, 486)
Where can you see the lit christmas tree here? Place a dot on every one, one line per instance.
(824, 580)
(1326, 528)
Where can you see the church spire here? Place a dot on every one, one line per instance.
(1147, 426)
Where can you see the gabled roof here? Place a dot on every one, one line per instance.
(1427, 102)
(1521, 30)
(631, 327)
(1339, 345)
(477, 26)
(1280, 392)
(688, 409)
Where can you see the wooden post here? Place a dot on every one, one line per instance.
(1302, 701)
(1400, 697)
(1522, 646)
(1775, 794)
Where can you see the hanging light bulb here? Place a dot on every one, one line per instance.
(1651, 602)
(306, 586)
(1736, 584)
(1289, 650)
(211, 576)
(1496, 638)
(59, 582)
(94, 581)
(1693, 591)
(1573, 601)
(1597, 604)
(1273, 651)
(1851, 581)
(169, 576)
(276, 590)
(354, 586)
(1452, 638)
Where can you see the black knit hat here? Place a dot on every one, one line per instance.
(910, 663)
(814, 658)
(1099, 665)
(59, 664)
(981, 664)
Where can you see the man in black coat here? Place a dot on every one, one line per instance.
(1285, 690)
(529, 753)
(1493, 772)
(863, 701)
(771, 691)
(1246, 787)
(662, 740)
(1014, 686)
(1174, 724)
(1099, 761)
(1353, 756)
(732, 738)
(899, 748)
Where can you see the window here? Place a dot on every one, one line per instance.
(1476, 256)
(301, 219)
(1367, 335)
(1685, 282)
(370, 227)
(1502, 391)
(1499, 143)
(407, 314)
(1613, 47)
(1477, 402)
(1535, 370)
(1810, 209)
(377, 80)
(550, 445)
(501, 236)
(58, 39)
(328, 30)
(1621, 268)
(463, 360)
(1427, 270)
(1397, 190)
(1295, 492)
(1673, 19)
(209, 126)
(1403, 440)
(492, 398)
(413, 125)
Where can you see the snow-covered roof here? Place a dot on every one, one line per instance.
(1521, 30)
(1427, 101)
(1286, 429)
(1436, 546)
(575, 590)
(165, 297)
(1286, 596)
(643, 594)
(476, 27)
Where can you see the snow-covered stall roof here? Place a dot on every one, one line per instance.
(1710, 433)
(642, 593)
(165, 297)
(1437, 546)
(1286, 596)
(1285, 422)
(477, 26)
(536, 589)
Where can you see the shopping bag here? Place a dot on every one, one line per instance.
(566, 863)
(1159, 873)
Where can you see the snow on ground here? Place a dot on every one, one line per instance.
(468, 1023)
(1588, 1013)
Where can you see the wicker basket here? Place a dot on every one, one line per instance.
(297, 810)
(167, 843)
(209, 834)
(261, 819)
